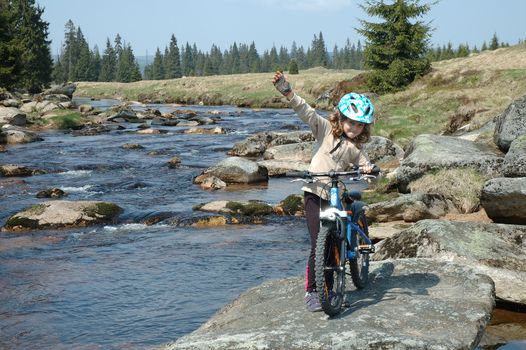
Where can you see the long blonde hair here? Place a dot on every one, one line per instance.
(337, 130)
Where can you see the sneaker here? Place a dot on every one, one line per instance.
(312, 301)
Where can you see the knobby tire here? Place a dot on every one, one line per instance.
(330, 269)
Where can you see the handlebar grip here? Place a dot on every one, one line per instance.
(376, 170)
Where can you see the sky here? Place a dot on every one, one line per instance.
(148, 25)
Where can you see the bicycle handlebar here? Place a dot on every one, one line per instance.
(333, 174)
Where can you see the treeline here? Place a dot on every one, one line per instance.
(244, 58)
(77, 62)
(25, 59)
(447, 52)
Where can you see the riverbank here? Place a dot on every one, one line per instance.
(462, 93)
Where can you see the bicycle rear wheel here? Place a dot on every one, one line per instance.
(330, 269)
(359, 266)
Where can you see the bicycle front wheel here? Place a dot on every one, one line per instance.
(330, 269)
(359, 266)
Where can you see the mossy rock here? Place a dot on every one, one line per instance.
(292, 204)
(63, 214)
(252, 208)
(103, 209)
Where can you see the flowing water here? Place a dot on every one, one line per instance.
(129, 285)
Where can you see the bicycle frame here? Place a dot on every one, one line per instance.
(348, 228)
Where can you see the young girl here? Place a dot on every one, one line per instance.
(340, 140)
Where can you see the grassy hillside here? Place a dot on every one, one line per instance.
(253, 89)
(478, 88)
(473, 89)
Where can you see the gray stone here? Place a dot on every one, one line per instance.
(62, 214)
(18, 170)
(511, 124)
(235, 170)
(12, 116)
(504, 200)
(15, 135)
(496, 250)
(410, 208)
(382, 150)
(296, 152)
(282, 167)
(64, 89)
(514, 164)
(408, 304)
(433, 152)
(255, 145)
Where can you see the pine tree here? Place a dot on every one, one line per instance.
(95, 65)
(10, 64)
(254, 62)
(273, 63)
(173, 60)
(494, 43)
(158, 66)
(188, 63)
(293, 67)
(83, 60)
(30, 36)
(108, 63)
(396, 48)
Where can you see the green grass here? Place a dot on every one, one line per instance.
(66, 120)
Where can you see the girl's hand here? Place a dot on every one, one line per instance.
(367, 168)
(282, 85)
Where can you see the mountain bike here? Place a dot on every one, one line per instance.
(343, 238)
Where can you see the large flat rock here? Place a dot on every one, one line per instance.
(408, 304)
(496, 250)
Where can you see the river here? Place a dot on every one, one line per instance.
(130, 286)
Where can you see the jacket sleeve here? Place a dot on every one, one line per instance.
(319, 125)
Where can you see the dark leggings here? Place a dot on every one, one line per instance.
(312, 214)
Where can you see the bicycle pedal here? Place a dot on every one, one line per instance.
(366, 248)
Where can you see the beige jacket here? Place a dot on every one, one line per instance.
(342, 159)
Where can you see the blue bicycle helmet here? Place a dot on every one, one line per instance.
(357, 107)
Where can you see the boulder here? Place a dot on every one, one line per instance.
(63, 214)
(510, 124)
(132, 146)
(504, 200)
(433, 152)
(51, 193)
(12, 116)
(12, 102)
(165, 121)
(282, 167)
(296, 152)
(15, 135)
(18, 170)
(514, 164)
(174, 162)
(255, 145)
(410, 208)
(212, 183)
(235, 170)
(57, 98)
(245, 208)
(496, 250)
(409, 304)
(205, 131)
(85, 108)
(64, 89)
(381, 150)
